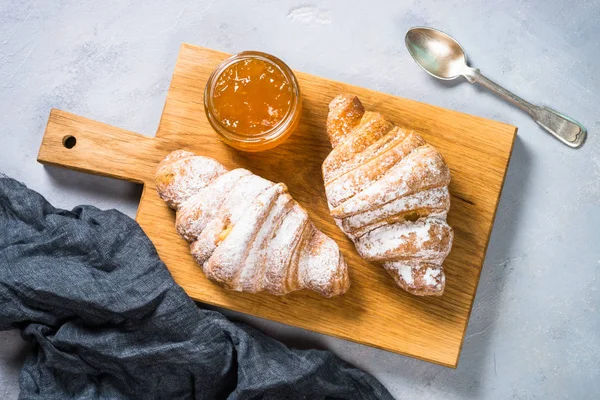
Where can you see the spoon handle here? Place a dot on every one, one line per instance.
(564, 128)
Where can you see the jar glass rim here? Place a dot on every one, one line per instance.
(280, 127)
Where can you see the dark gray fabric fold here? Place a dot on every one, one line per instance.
(107, 321)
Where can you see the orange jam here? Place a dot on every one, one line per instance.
(252, 101)
(251, 96)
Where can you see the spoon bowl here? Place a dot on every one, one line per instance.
(436, 52)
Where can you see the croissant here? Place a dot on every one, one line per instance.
(388, 191)
(246, 232)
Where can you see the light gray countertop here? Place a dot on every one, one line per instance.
(535, 328)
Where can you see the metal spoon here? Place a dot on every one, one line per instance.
(444, 58)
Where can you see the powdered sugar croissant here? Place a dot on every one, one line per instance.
(246, 232)
(388, 191)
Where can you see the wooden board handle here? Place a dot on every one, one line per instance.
(81, 144)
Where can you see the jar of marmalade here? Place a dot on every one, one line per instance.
(252, 100)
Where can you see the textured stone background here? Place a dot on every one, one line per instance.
(534, 331)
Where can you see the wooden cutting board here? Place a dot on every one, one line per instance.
(374, 312)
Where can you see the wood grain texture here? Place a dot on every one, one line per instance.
(374, 311)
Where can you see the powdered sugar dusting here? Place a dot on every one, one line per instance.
(282, 246)
(344, 113)
(320, 263)
(422, 169)
(432, 203)
(425, 239)
(430, 275)
(405, 272)
(228, 262)
(370, 128)
(419, 278)
(372, 169)
(183, 174)
(251, 275)
(199, 209)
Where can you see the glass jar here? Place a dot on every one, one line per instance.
(252, 100)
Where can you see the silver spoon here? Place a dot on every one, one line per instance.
(443, 57)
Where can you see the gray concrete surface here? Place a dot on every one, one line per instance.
(534, 330)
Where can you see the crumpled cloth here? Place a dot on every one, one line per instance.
(108, 322)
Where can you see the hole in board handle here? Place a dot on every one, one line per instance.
(69, 141)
